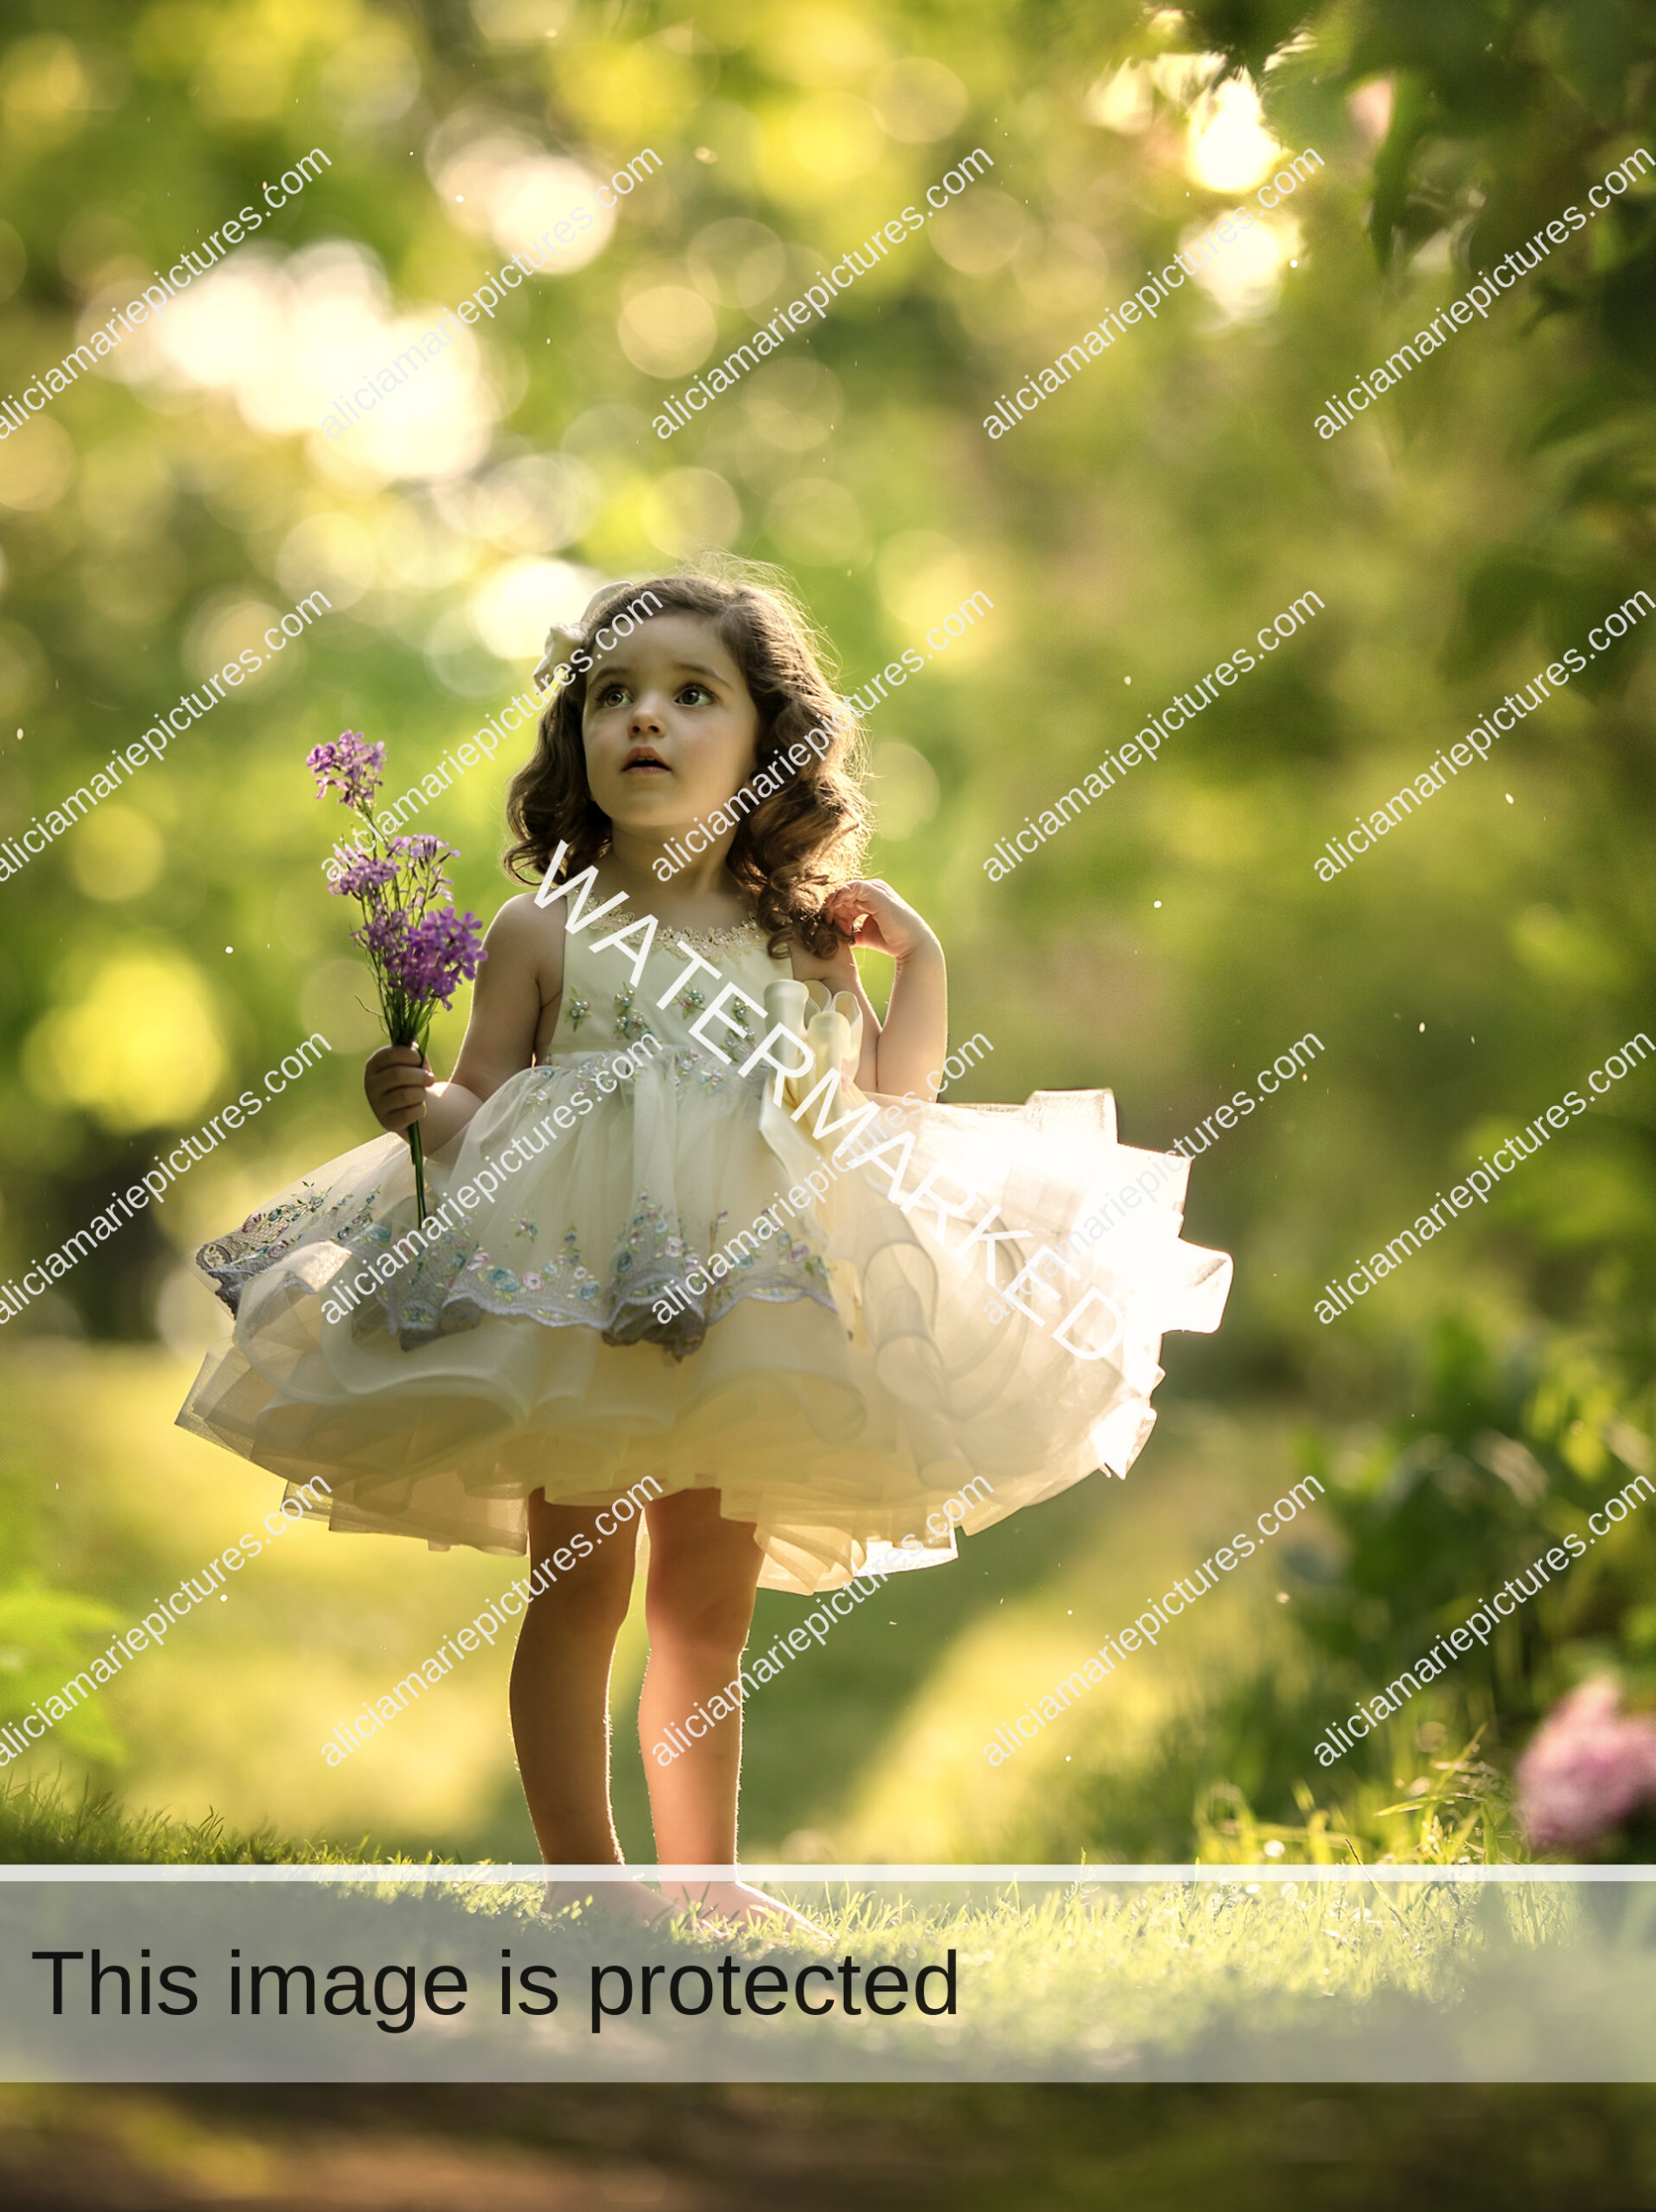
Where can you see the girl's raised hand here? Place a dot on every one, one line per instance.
(870, 912)
(397, 1079)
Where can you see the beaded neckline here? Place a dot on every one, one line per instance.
(699, 941)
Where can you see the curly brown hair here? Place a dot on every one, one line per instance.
(808, 835)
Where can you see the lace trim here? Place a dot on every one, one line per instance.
(450, 1286)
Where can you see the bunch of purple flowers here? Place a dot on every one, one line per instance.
(419, 951)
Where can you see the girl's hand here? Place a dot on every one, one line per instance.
(397, 1079)
(876, 920)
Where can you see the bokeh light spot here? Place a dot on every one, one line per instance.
(140, 1049)
(819, 523)
(667, 329)
(690, 510)
(514, 609)
(37, 466)
(115, 853)
(1229, 149)
(835, 136)
(918, 101)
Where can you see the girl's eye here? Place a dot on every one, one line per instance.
(611, 694)
(699, 690)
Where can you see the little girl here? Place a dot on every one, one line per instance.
(699, 1235)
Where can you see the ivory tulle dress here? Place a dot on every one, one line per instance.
(641, 1296)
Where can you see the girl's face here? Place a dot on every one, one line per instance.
(670, 728)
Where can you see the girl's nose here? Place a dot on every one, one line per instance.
(646, 717)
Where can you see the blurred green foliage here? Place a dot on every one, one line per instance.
(1498, 1464)
(45, 1636)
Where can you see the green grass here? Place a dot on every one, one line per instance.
(42, 1825)
(1077, 1982)
(1228, 1978)
(1093, 1980)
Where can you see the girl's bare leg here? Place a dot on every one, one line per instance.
(559, 1699)
(703, 1572)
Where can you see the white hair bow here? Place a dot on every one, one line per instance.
(560, 646)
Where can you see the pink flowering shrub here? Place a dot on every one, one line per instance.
(1588, 1768)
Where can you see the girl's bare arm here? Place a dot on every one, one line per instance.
(521, 980)
(904, 1055)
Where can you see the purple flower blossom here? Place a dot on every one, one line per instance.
(1588, 1767)
(425, 960)
(417, 956)
(349, 765)
(362, 875)
(383, 934)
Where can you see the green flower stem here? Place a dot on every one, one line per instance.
(418, 1150)
(404, 1027)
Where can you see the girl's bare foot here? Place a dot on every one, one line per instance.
(743, 1906)
(589, 1903)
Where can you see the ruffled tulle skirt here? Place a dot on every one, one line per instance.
(669, 1279)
